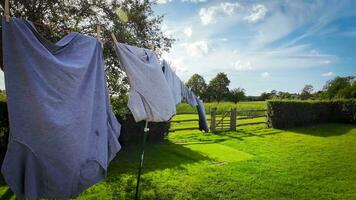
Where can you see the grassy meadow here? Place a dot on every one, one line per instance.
(254, 162)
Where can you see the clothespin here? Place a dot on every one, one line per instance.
(113, 37)
(7, 11)
(98, 31)
(98, 34)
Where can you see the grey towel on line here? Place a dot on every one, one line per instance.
(173, 81)
(63, 133)
(181, 92)
(203, 124)
(150, 97)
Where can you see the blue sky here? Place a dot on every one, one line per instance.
(262, 45)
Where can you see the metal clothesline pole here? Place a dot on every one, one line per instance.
(145, 133)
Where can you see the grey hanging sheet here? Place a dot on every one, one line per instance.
(203, 124)
(63, 133)
(150, 97)
(188, 96)
(173, 81)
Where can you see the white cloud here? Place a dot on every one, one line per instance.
(209, 15)
(242, 65)
(257, 13)
(163, 1)
(194, 1)
(326, 62)
(198, 48)
(188, 31)
(265, 75)
(349, 33)
(327, 74)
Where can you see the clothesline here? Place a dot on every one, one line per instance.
(54, 78)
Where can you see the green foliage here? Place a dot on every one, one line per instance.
(119, 105)
(2, 95)
(4, 124)
(197, 85)
(306, 92)
(340, 87)
(284, 114)
(268, 95)
(218, 87)
(237, 94)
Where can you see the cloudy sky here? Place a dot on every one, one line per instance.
(262, 45)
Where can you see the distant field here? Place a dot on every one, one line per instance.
(224, 106)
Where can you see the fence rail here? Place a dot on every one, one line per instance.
(228, 120)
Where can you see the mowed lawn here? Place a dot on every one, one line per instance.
(255, 162)
(317, 162)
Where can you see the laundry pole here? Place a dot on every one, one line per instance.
(145, 133)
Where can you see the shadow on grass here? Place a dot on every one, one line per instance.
(324, 130)
(123, 169)
(253, 131)
(157, 157)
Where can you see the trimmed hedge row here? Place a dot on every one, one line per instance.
(285, 114)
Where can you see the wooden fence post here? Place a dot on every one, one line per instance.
(233, 119)
(213, 119)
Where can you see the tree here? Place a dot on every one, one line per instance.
(268, 95)
(132, 21)
(264, 96)
(197, 85)
(237, 94)
(340, 87)
(2, 95)
(284, 95)
(218, 87)
(306, 92)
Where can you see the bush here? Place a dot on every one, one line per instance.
(4, 125)
(285, 114)
(132, 132)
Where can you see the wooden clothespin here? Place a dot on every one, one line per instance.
(7, 11)
(98, 31)
(113, 37)
(98, 35)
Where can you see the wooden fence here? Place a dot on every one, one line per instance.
(225, 121)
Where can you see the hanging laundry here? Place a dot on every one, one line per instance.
(203, 124)
(150, 97)
(63, 133)
(187, 95)
(173, 81)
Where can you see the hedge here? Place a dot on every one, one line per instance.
(285, 114)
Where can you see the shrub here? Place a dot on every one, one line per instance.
(285, 114)
(4, 125)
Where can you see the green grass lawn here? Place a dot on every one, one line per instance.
(255, 162)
